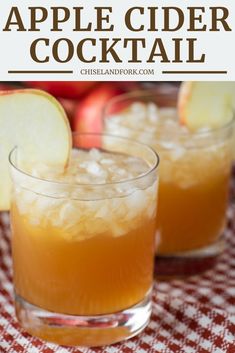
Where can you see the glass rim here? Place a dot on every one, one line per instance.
(151, 92)
(94, 185)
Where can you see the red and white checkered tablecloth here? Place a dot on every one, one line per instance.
(192, 315)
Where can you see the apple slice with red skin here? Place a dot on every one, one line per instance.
(36, 124)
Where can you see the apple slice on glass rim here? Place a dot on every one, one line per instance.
(206, 104)
(35, 123)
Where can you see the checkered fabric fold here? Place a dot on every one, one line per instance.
(192, 315)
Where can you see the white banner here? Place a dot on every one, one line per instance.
(102, 40)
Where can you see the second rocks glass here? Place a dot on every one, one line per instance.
(194, 177)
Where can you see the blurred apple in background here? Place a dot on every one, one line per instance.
(64, 89)
(70, 106)
(8, 87)
(88, 115)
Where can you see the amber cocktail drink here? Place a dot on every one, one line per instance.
(194, 173)
(83, 242)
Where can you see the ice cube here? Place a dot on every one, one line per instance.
(118, 230)
(177, 153)
(168, 113)
(138, 112)
(95, 154)
(168, 145)
(124, 189)
(106, 161)
(83, 179)
(69, 212)
(137, 201)
(114, 119)
(94, 168)
(138, 108)
(118, 208)
(44, 204)
(120, 172)
(152, 113)
(103, 211)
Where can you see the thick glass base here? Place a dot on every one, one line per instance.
(90, 331)
(190, 262)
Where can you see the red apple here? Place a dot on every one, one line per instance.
(88, 115)
(70, 106)
(7, 87)
(64, 89)
(128, 86)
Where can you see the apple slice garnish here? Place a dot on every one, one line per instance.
(35, 123)
(206, 104)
